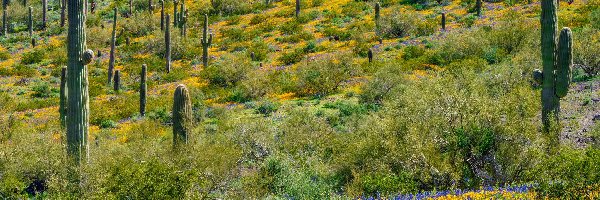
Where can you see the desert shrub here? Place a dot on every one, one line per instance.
(381, 85)
(229, 7)
(402, 23)
(228, 70)
(325, 75)
(292, 57)
(586, 51)
(43, 90)
(513, 33)
(33, 57)
(290, 27)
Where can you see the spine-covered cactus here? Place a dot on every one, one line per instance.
(182, 115)
(30, 22)
(183, 24)
(111, 61)
(444, 21)
(33, 42)
(556, 75)
(206, 41)
(117, 83)
(370, 55)
(175, 6)
(252, 56)
(181, 13)
(377, 18)
(63, 12)
(168, 44)
(478, 5)
(77, 83)
(162, 15)
(143, 90)
(62, 109)
(4, 22)
(44, 13)
(297, 8)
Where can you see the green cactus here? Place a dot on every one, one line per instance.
(162, 15)
(63, 12)
(444, 21)
(117, 83)
(77, 83)
(62, 109)
(168, 44)
(181, 14)
(130, 8)
(377, 19)
(297, 8)
(206, 42)
(182, 115)
(184, 24)
(44, 13)
(478, 5)
(30, 22)
(556, 74)
(111, 62)
(4, 22)
(370, 55)
(143, 90)
(175, 3)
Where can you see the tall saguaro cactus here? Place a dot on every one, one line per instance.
(444, 21)
(206, 42)
(4, 22)
(62, 109)
(297, 8)
(183, 22)
(143, 90)
(175, 4)
(30, 21)
(168, 43)
(182, 115)
(44, 13)
(77, 83)
(377, 18)
(63, 12)
(111, 62)
(557, 63)
(162, 15)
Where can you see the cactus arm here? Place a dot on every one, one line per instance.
(564, 62)
(182, 116)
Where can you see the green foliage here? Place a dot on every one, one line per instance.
(401, 24)
(33, 57)
(228, 71)
(324, 76)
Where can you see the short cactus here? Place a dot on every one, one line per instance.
(117, 83)
(370, 55)
(444, 21)
(297, 8)
(168, 44)
(206, 41)
(556, 74)
(62, 109)
(143, 90)
(33, 42)
(111, 62)
(182, 115)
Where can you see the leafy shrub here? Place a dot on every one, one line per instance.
(43, 90)
(292, 57)
(586, 51)
(33, 57)
(229, 70)
(324, 76)
(381, 85)
(402, 23)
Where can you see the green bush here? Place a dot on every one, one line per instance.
(324, 76)
(229, 70)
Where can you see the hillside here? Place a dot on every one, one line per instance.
(334, 100)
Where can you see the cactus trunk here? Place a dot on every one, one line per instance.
(377, 17)
(77, 84)
(30, 22)
(162, 15)
(44, 13)
(4, 22)
(444, 21)
(130, 8)
(550, 102)
(478, 5)
(206, 42)
(297, 8)
(117, 83)
(370, 55)
(182, 115)
(143, 91)
(174, 14)
(564, 62)
(62, 109)
(63, 13)
(168, 44)
(111, 62)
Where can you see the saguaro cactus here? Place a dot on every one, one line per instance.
(162, 15)
(44, 13)
(4, 22)
(297, 8)
(30, 21)
(111, 61)
(377, 17)
(184, 23)
(117, 84)
(168, 43)
(143, 90)
(182, 115)
(370, 55)
(175, 4)
(556, 75)
(63, 12)
(206, 42)
(130, 8)
(478, 5)
(62, 109)
(77, 84)
(444, 21)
